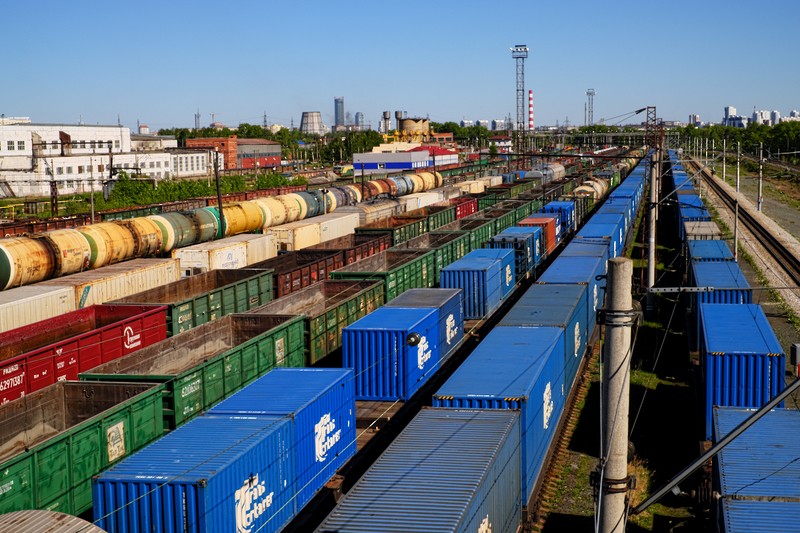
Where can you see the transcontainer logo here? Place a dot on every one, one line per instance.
(325, 437)
(596, 298)
(132, 339)
(486, 526)
(577, 338)
(509, 275)
(252, 500)
(547, 411)
(452, 329)
(423, 352)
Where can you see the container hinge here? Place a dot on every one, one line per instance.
(618, 318)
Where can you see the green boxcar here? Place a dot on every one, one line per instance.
(436, 216)
(504, 218)
(448, 246)
(521, 206)
(206, 365)
(400, 228)
(400, 270)
(327, 307)
(56, 439)
(480, 229)
(583, 204)
(199, 299)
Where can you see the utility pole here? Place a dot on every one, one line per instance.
(614, 482)
(736, 205)
(219, 194)
(760, 174)
(724, 156)
(651, 234)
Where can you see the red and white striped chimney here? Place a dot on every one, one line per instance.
(530, 109)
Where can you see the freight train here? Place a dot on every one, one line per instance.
(216, 359)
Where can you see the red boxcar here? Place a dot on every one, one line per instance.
(464, 206)
(39, 354)
(296, 270)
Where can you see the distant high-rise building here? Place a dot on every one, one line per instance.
(467, 123)
(359, 120)
(498, 124)
(775, 117)
(694, 119)
(761, 117)
(311, 122)
(338, 111)
(484, 123)
(794, 113)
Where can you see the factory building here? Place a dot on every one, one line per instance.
(381, 163)
(78, 158)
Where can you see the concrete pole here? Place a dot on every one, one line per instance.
(724, 156)
(651, 232)
(616, 374)
(760, 174)
(736, 206)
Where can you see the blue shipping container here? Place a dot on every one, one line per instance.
(577, 269)
(622, 209)
(215, 473)
(522, 244)
(591, 247)
(449, 470)
(506, 258)
(393, 351)
(322, 407)
(756, 473)
(482, 282)
(538, 240)
(516, 368)
(566, 213)
(449, 306)
(614, 232)
(709, 250)
(743, 362)
(561, 306)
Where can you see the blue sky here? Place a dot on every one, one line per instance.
(159, 62)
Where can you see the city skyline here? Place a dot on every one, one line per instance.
(159, 63)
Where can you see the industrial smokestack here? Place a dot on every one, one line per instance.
(387, 121)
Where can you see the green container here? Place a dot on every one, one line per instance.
(435, 216)
(57, 438)
(522, 207)
(399, 270)
(327, 307)
(447, 246)
(400, 228)
(480, 229)
(206, 297)
(503, 218)
(206, 365)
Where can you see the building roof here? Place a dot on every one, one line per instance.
(256, 141)
(433, 150)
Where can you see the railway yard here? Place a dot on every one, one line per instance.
(418, 352)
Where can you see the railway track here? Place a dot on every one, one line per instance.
(787, 260)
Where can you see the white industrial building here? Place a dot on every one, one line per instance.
(78, 158)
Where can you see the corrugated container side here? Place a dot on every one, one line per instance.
(322, 405)
(449, 306)
(742, 361)
(506, 258)
(475, 454)
(393, 352)
(515, 368)
(57, 438)
(33, 303)
(522, 244)
(335, 225)
(210, 363)
(40, 354)
(742, 516)
(481, 281)
(561, 306)
(579, 269)
(212, 255)
(400, 270)
(117, 281)
(217, 473)
(296, 235)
